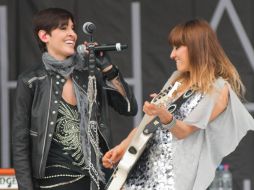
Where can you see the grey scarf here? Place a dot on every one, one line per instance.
(86, 102)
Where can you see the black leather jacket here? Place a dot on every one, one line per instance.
(37, 97)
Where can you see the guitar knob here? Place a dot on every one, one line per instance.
(146, 131)
(132, 150)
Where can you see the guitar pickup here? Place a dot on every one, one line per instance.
(152, 126)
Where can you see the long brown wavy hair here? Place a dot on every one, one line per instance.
(207, 58)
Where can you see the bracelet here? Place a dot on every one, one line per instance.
(112, 73)
(171, 124)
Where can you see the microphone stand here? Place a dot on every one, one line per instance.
(91, 69)
(92, 61)
(92, 128)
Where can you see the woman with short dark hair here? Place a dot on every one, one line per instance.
(59, 132)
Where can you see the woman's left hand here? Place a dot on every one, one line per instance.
(160, 111)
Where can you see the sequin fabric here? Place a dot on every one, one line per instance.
(154, 169)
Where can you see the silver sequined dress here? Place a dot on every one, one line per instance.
(155, 170)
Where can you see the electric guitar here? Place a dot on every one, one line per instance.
(137, 145)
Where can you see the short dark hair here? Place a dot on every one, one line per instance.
(48, 20)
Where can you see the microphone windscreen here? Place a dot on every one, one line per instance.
(88, 28)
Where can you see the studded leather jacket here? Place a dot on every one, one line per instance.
(36, 108)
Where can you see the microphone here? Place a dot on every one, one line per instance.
(89, 28)
(82, 49)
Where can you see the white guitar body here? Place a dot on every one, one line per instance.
(137, 144)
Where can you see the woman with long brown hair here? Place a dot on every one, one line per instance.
(205, 120)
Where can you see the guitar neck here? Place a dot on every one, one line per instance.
(145, 120)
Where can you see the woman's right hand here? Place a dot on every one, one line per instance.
(113, 156)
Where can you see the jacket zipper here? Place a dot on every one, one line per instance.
(126, 98)
(36, 78)
(46, 131)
